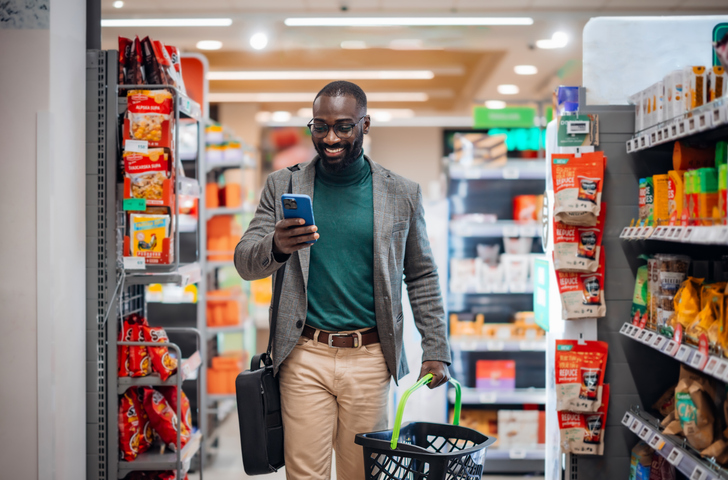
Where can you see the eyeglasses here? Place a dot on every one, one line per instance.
(342, 130)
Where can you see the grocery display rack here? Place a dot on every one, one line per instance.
(114, 287)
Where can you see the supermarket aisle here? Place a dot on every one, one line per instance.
(227, 464)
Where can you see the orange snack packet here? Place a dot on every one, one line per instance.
(580, 375)
(577, 183)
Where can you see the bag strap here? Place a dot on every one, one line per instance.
(277, 290)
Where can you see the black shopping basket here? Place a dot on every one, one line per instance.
(431, 451)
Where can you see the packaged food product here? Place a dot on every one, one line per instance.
(666, 403)
(649, 212)
(687, 301)
(674, 94)
(140, 365)
(675, 195)
(577, 183)
(146, 433)
(524, 207)
(517, 428)
(495, 374)
(162, 362)
(641, 203)
(707, 195)
(583, 433)
(134, 66)
(165, 62)
(163, 418)
(636, 100)
(665, 322)
(129, 428)
(653, 290)
(721, 153)
(147, 173)
(661, 200)
(717, 79)
(149, 117)
(639, 312)
(582, 294)
(672, 271)
(722, 192)
(147, 234)
(696, 87)
(170, 394)
(155, 73)
(685, 157)
(703, 322)
(661, 469)
(640, 462)
(577, 248)
(580, 375)
(694, 407)
(125, 46)
(174, 56)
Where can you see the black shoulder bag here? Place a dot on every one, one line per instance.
(259, 399)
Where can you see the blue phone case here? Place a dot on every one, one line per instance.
(298, 206)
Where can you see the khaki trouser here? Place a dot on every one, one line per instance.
(328, 395)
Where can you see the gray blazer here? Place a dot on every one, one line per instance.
(400, 246)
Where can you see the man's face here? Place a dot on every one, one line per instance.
(338, 153)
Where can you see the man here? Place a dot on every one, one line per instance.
(339, 333)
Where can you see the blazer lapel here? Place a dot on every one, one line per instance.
(303, 183)
(383, 192)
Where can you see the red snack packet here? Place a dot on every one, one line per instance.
(134, 67)
(155, 73)
(174, 56)
(170, 394)
(149, 117)
(129, 429)
(583, 433)
(162, 362)
(577, 248)
(146, 433)
(579, 373)
(122, 351)
(577, 183)
(140, 365)
(165, 62)
(163, 418)
(582, 294)
(125, 45)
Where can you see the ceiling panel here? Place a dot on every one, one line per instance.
(411, 6)
(568, 4)
(485, 6)
(642, 4)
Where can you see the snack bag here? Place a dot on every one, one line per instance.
(134, 68)
(675, 195)
(649, 208)
(174, 56)
(125, 46)
(155, 73)
(147, 173)
(146, 433)
(661, 469)
(122, 351)
(639, 313)
(687, 301)
(162, 362)
(640, 462)
(702, 324)
(582, 294)
(653, 290)
(140, 365)
(661, 200)
(672, 270)
(694, 407)
(149, 117)
(577, 248)
(666, 403)
(170, 394)
(147, 234)
(163, 418)
(580, 375)
(642, 203)
(129, 429)
(577, 183)
(583, 433)
(165, 62)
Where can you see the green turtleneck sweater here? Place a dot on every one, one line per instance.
(341, 272)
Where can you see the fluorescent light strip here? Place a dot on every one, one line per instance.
(283, 97)
(404, 21)
(324, 75)
(166, 22)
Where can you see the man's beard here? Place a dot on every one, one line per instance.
(353, 151)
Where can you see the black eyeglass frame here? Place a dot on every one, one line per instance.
(328, 128)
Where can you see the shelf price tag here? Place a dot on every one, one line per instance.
(721, 369)
(682, 353)
(659, 342)
(711, 365)
(135, 204)
(488, 397)
(699, 473)
(649, 337)
(675, 456)
(510, 231)
(627, 419)
(671, 348)
(495, 345)
(642, 335)
(657, 442)
(625, 328)
(516, 454)
(624, 233)
(134, 263)
(636, 426)
(644, 433)
(697, 360)
(139, 146)
(635, 331)
(510, 173)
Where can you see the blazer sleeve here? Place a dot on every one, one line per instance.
(423, 288)
(254, 257)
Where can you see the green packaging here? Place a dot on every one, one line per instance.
(722, 190)
(641, 202)
(639, 298)
(721, 153)
(649, 201)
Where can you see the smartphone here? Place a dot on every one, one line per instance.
(298, 206)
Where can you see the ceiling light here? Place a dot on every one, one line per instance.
(167, 22)
(281, 116)
(323, 75)
(259, 40)
(209, 45)
(390, 113)
(353, 45)
(118, 4)
(307, 97)
(525, 69)
(495, 104)
(557, 40)
(263, 117)
(305, 112)
(406, 44)
(383, 116)
(404, 21)
(508, 89)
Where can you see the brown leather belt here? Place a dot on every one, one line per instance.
(343, 340)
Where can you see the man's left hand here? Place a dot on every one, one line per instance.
(439, 371)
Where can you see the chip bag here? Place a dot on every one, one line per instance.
(577, 248)
(702, 324)
(147, 173)
(583, 433)
(162, 362)
(580, 375)
(694, 407)
(687, 301)
(129, 428)
(666, 403)
(661, 469)
(582, 294)
(149, 117)
(170, 394)
(140, 365)
(146, 433)
(163, 418)
(577, 183)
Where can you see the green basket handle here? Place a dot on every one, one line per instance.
(400, 409)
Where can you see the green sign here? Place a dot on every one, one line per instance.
(520, 139)
(719, 31)
(135, 204)
(541, 293)
(511, 117)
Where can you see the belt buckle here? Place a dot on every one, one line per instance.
(332, 335)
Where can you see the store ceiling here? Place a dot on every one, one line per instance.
(469, 62)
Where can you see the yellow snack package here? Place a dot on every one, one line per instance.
(702, 324)
(687, 301)
(147, 234)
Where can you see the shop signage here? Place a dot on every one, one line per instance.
(511, 117)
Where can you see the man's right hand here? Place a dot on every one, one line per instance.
(290, 236)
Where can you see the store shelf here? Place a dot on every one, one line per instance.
(713, 365)
(242, 163)
(519, 396)
(512, 290)
(515, 460)
(246, 208)
(149, 461)
(212, 331)
(475, 344)
(185, 275)
(706, 118)
(513, 170)
(186, 106)
(674, 449)
(695, 235)
(501, 228)
(188, 368)
(187, 224)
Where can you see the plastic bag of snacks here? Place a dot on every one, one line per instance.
(687, 301)
(147, 172)
(661, 469)
(131, 70)
(133, 361)
(170, 394)
(580, 375)
(129, 428)
(583, 433)
(577, 248)
(693, 415)
(162, 362)
(156, 75)
(146, 434)
(149, 116)
(163, 418)
(174, 56)
(582, 294)
(577, 183)
(639, 312)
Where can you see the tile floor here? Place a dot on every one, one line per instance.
(227, 463)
